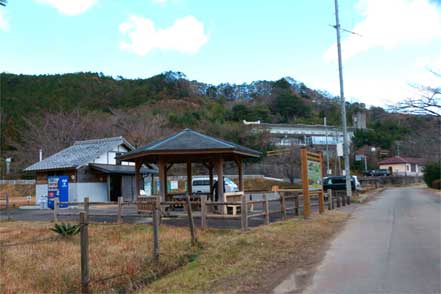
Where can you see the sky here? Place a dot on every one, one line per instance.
(397, 42)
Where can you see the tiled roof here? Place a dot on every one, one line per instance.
(400, 159)
(189, 140)
(79, 154)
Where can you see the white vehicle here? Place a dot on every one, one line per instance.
(202, 185)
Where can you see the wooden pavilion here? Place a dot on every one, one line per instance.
(187, 147)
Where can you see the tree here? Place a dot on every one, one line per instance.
(429, 102)
(3, 2)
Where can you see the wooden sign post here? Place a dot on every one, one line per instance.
(312, 179)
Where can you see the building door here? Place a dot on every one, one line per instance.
(115, 187)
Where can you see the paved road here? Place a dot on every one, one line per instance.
(390, 245)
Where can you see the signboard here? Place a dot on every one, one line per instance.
(339, 149)
(312, 179)
(359, 157)
(57, 187)
(315, 178)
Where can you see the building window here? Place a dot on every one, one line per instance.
(413, 167)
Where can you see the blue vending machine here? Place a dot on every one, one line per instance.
(57, 187)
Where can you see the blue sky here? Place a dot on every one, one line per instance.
(230, 41)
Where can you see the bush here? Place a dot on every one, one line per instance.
(436, 184)
(432, 172)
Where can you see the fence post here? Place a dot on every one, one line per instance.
(282, 204)
(321, 202)
(343, 198)
(266, 210)
(7, 206)
(203, 211)
(56, 200)
(120, 201)
(244, 213)
(86, 207)
(296, 204)
(84, 244)
(191, 221)
(156, 206)
(330, 199)
(337, 196)
(348, 199)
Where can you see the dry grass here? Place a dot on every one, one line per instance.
(234, 262)
(226, 261)
(54, 266)
(17, 195)
(261, 184)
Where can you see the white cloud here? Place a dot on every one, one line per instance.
(70, 7)
(186, 35)
(389, 24)
(4, 22)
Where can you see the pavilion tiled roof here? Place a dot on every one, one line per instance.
(190, 140)
(79, 154)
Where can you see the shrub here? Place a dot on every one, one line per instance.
(66, 230)
(436, 184)
(432, 172)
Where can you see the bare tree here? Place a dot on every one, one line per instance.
(429, 102)
(139, 127)
(55, 131)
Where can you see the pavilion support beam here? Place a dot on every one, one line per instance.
(220, 183)
(162, 179)
(210, 174)
(239, 163)
(137, 178)
(189, 178)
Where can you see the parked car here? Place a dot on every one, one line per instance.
(339, 183)
(377, 173)
(202, 185)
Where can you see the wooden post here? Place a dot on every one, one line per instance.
(56, 200)
(305, 185)
(282, 204)
(321, 196)
(203, 212)
(337, 197)
(137, 178)
(7, 206)
(343, 198)
(120, 203)
(155, 215)
(349, 199)
(84, 244)
(210, 173)
(266, 210)
(296, 203)
(220, 184)
(244, 213)
(239, 163)
(330, 200)
(191, 221)
(162, 179)
(86, 207)
(189, 185)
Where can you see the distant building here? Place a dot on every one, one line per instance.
(283, 135)
(402, 166)
(92, 170)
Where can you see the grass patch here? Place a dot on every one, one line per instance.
(224, 261)
(17, 194)
(244, 262)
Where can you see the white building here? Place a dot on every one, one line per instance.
(92, 169)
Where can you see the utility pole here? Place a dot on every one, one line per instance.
(327, 149)
(343, 106)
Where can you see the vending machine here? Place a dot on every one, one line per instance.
(57, 187)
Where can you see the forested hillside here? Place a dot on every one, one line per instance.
(52, 111)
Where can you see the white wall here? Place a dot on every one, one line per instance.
(109, 157)
(97, 192)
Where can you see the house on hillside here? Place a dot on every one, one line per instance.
(402, 166)
(91, 169)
